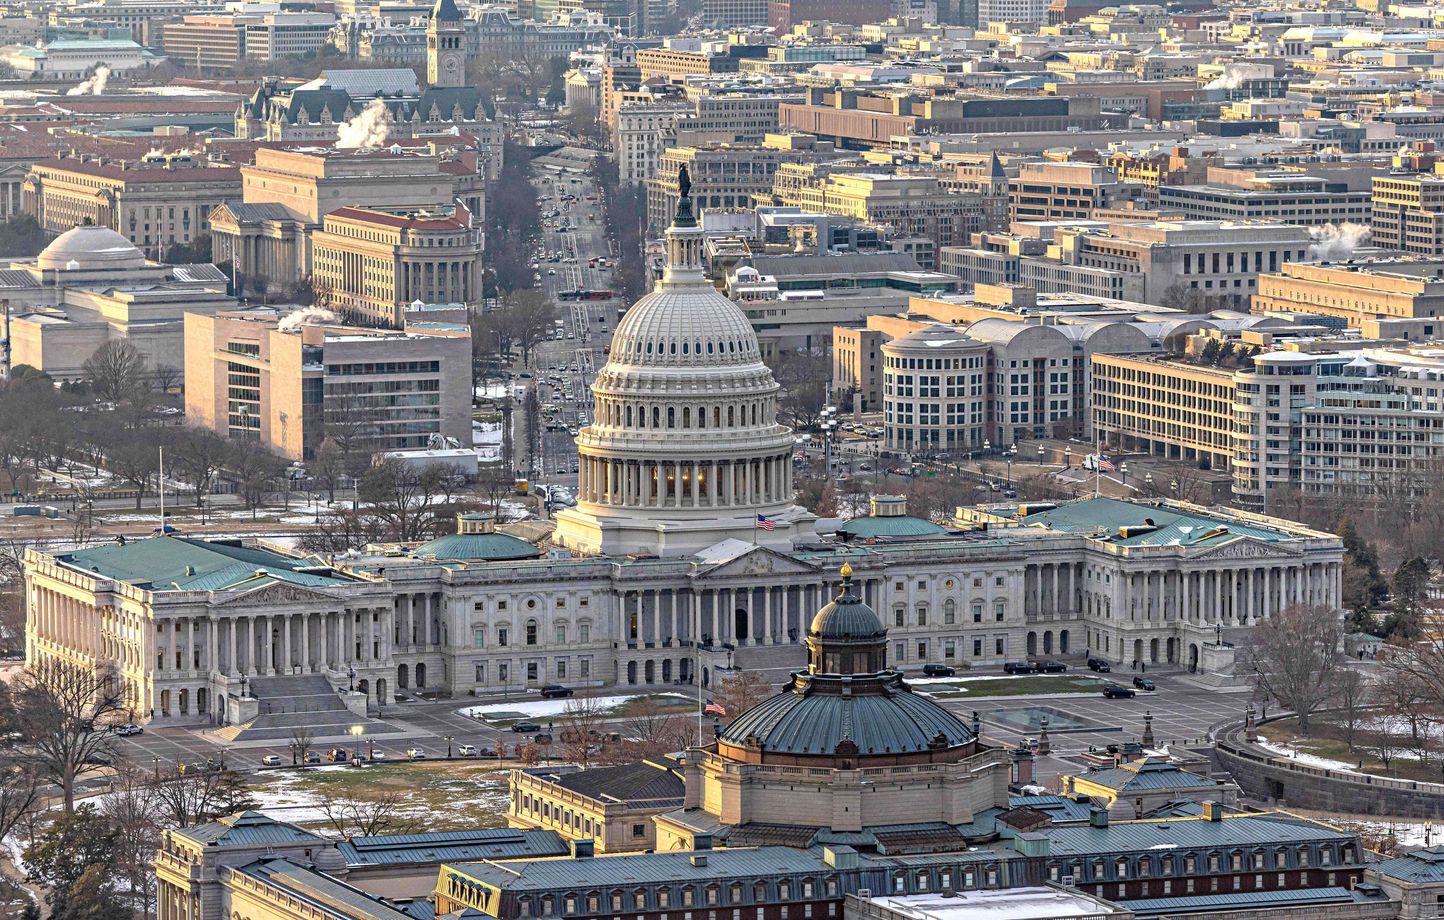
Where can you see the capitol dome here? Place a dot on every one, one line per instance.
(90, 248)
(684, 449)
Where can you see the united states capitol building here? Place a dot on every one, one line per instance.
(661, 573)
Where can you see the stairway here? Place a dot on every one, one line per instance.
(288, 703)
(774, 661)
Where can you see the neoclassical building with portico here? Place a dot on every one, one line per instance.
(662, 574)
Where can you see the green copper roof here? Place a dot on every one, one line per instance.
(188, 564)
(866, 528)
(1169, 525)
(481, 547)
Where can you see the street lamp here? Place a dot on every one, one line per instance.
(448, 746)
(243, 685)
(1042, 452)
(356, 750)
(1173, 487)
(351, 677)
(1148, 481)
(1123, 472)
(1067, 456)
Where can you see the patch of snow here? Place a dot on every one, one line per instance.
(968, 679)
(534, 709)
(1308, 760)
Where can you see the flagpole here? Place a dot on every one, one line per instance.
(697, 648)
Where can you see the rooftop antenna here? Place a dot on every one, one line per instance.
(160, 484)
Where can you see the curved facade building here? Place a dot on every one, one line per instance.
(934, 394)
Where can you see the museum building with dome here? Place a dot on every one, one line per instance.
(91, 285)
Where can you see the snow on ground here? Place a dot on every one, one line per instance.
(541, 709)
(1407, 833)
(1308, 760)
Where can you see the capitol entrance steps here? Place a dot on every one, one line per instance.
(776, 661)
(288, 704)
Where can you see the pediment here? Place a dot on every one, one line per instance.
(1244, 548)
(758, 562)
(278, 594)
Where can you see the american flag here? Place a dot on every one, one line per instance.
(764, 524)
(715, 709)
(1105, 464)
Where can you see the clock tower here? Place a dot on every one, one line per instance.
(445, 48)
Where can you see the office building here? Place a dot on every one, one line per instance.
(1408, 214)
(372, 262)
(160, 201)
(1404, 289)
(256, 375)
(1067, 191)
(1276, 195)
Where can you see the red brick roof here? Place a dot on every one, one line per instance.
(459, 221)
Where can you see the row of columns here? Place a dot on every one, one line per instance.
(768, 614)
(685, 483)
(437, 281)
(1233, 595)
(274, 643)
(68, 622)
(418, 621)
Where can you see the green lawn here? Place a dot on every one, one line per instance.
(1023, 685)
(445, 795)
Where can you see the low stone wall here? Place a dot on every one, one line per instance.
(1267, 776)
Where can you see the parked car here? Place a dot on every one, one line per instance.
(128, 729)
(1018, 667)
(378, 754)
(271, 760)
(313, 757)
(1099, 665)
(415, 753)
(1143, 683)
(1048, 666)
(555, 692)
(486, 752)
(338, 755)
(524, 728)
(939, 670)
(466, 750)
(1118, 692)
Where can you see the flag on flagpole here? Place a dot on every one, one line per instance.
(764, 524)
(715, 709)
(1105, 464)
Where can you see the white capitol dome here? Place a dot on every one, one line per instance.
(684, 449)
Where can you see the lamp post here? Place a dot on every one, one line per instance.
(448, 746)
(1148, 481)
(356, 748)
(1067, 456)
(1123, 472)
(1042, 453)
(1173, 487)
(243, 685)
(1010, 453)
(351, 677)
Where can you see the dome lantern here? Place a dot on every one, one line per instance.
(846, 636)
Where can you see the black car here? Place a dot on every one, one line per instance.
(1048, 666)
(555, 691)
(1118, 692)
(313, 757)
(524, 728)
(1143, 683)
(1017, 667)
(939, 670)
(1099, 665)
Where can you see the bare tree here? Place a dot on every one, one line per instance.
(804, 375)
(66, 712)
(1415, 665)
(133, 459)
(739, 691)
(136, 812)
(115, 371)
(385, 813)
(1295, 658)
(189, 797)
(199, 455)
(653, 731)
(301, 741)
(329, 466)
(581, 723)
(167, 377)
(406, 498)
(1351, 693)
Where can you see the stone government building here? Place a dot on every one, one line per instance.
(660, 571)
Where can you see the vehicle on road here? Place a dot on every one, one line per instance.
(377, 754)
(523, 728)
(1048, 666)
(338, 755)
(271, 760)
(556, 691)
(128, 729)
(939, 670)
(1118, 692)
(415, 753)
(1017, 667)
(313, 757)
(1099, 665)
(1143, 683)
(466, 750)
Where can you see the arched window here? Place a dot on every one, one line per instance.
(531, 632)
(731, 416)
(950, 612)
(686, 417)
(656, 417)
(671, 417)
